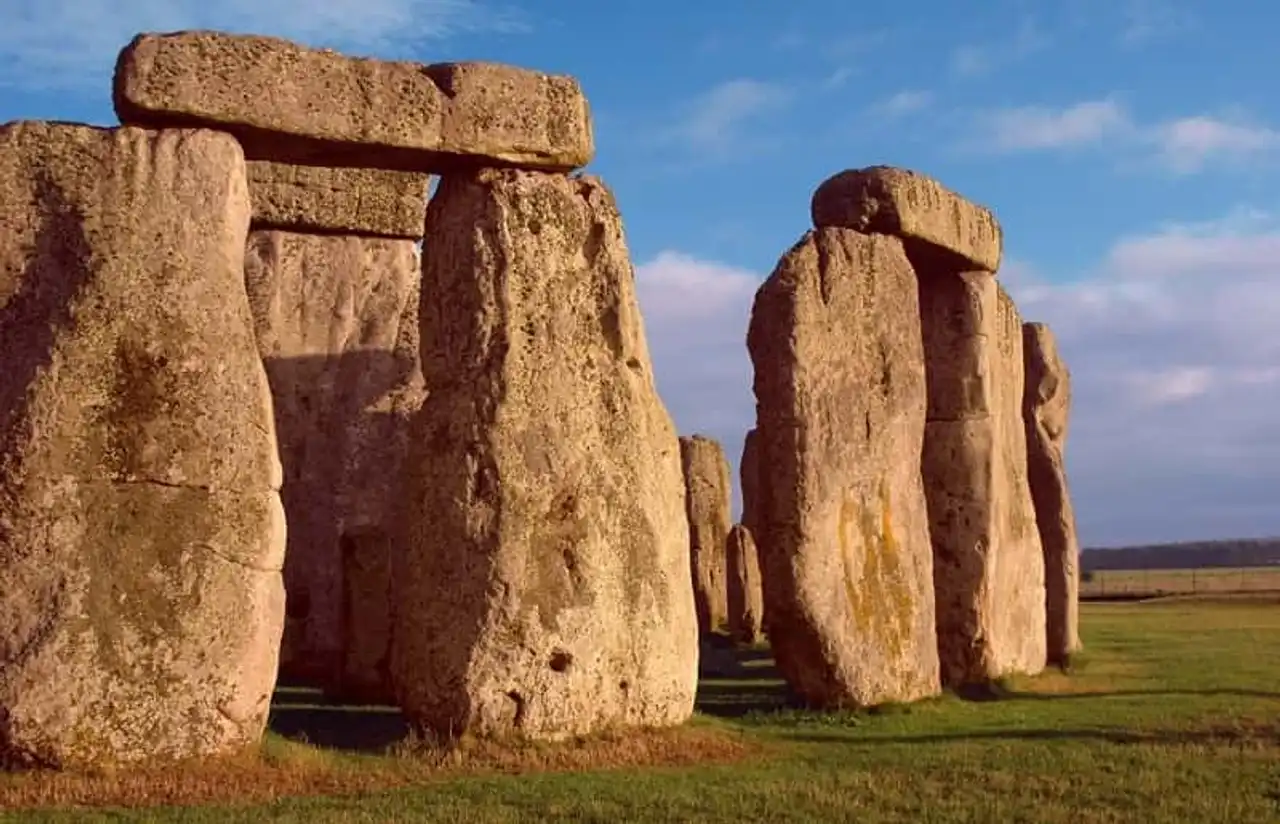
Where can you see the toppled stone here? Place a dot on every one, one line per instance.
(544, 585)
(287, 102)
(347, 200)
(840, 397)
(746, 598)
(1046, 408)
(988, 568)
(141, 532)
(337, 327)
(709, 504)
(914, 207)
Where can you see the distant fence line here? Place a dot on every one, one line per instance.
(1107, 583)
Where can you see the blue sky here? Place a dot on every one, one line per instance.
(1130, 148)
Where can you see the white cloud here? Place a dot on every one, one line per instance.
(72, 44)
(696, 314)
(1042, 127)
(1176, 368)
(903, 103)
(1182, 145)
(714, 119)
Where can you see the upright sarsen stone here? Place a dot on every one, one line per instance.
(708, 502)
(1046, 409)
(746, 596)
(544, 587)
(840, 398)
(141, 532)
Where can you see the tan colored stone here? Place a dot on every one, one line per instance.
(141, 533)
(544, 587)
(287, 102)
(749, 480)
(746, 597)
(350, 201)
(988, 569)
(914, 207)
(840, 398)
(709, 505)
(1046, 408)
(337, 327)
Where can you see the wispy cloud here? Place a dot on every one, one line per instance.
(1148, 20)
(1181, 146)
(903, 103)
(72, 44)
(714, 120)
(975, 60)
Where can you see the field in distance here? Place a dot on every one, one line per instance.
(1153, 583)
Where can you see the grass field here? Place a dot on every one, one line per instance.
(1172, 715)
(1156, 582)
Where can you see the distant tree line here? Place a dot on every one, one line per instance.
(1252, 552)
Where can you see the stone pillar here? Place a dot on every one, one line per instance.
(708, 503)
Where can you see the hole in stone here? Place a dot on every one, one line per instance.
(624, 685)
(560, 660)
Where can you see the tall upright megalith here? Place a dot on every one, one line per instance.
(141, 531)
(746, 595)
(543, 589)
(1046, 411)
(708, 503)
(840, 401)
(988, 567)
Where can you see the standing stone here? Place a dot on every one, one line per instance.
(709, 504)
(287, 102)
(337, 327)
(544, 586)
(749, 481)
(1046, 409)
(141, 532)
(840, 400)
(746, 598)
(988, 568)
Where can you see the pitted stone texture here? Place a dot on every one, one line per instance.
(337, 326)
(1046, 408)
(913, 207)
(709, 504)
(749, 480)
(287, 102)
(348, 200)
(746, 598)
(544, 588)
(988, 568)
(141, 533)
(840, 405)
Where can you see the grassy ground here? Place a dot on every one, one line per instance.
(1173, 715)
(1157, 582)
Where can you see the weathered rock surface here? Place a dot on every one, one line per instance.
(544, 589)
(749, 480)
(337, 327)
(347, 200)
(141, 532)
(1046, 408)
(709, 505)
(746, 597)
(988, 568)
(287, 102)
(840, 403)
(914, 207)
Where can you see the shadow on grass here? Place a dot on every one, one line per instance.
(1257, 735)
(302, 713)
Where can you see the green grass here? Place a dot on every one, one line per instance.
(1171, 715)
(1157, 582)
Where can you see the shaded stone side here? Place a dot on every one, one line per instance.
(749, 480)
(746, 597)
(141, 532)
(368, 202)
(544, 588)
(840, 404)
(988, 570)
(914, 207)
(287, 102)
(709, 504)
(1046, 411)
(337, 327)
